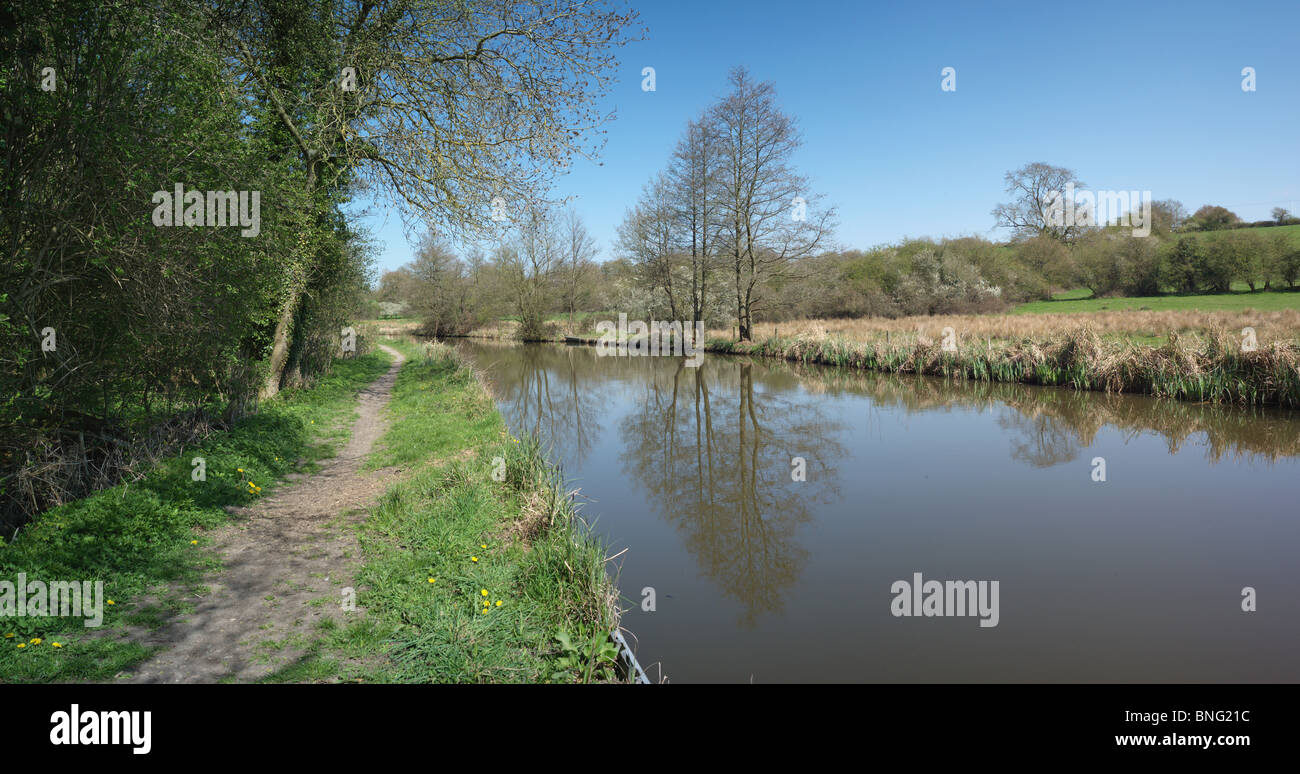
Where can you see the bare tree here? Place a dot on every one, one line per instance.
(1168, 216)
(440, 295)
(693, 190)
(766, 209)
(578, 262)
(528, 261)
(646, 237)
(1039, 189)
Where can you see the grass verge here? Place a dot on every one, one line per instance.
(144, 539)
(476, 566)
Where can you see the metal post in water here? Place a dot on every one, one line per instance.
(629, 660)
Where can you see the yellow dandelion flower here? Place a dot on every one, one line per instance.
(9, 636)
(431, 580)
(35, 640)
(23, 644)
(194, 542)
(483, 592)
(111, 602)
(56, 644)
(473, 558)
(484, 613)
(483, 545)
(498, 603)
(239, 470)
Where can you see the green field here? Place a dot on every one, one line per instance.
(1081, 300)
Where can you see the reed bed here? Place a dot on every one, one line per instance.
(1183, 354)
(1276, 325)
(498, 330)
(1207, 366)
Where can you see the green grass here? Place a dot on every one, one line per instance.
(452, 522)
(137, 537)
(432, 417)
(1081, 301)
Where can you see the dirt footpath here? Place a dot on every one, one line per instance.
(285, 563)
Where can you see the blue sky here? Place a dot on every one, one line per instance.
(1143, 96)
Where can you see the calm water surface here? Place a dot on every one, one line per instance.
(760, 577)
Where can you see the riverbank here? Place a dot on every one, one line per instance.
(352, 590)
(468, 576)
(1186, 355)
(150, 540)
(1210, 367)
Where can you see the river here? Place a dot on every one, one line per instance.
(769, 512)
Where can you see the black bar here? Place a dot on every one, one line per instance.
(307, 723)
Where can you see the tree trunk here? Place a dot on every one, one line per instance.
(286, 325)
(292, 374)
(742, 328)
(280, 349)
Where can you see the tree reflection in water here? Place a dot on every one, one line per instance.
(711, 450)
(713, 454)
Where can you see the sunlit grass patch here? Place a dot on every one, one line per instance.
(145, 537)
(1082, 302)
(437, 409)
(472, 577)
